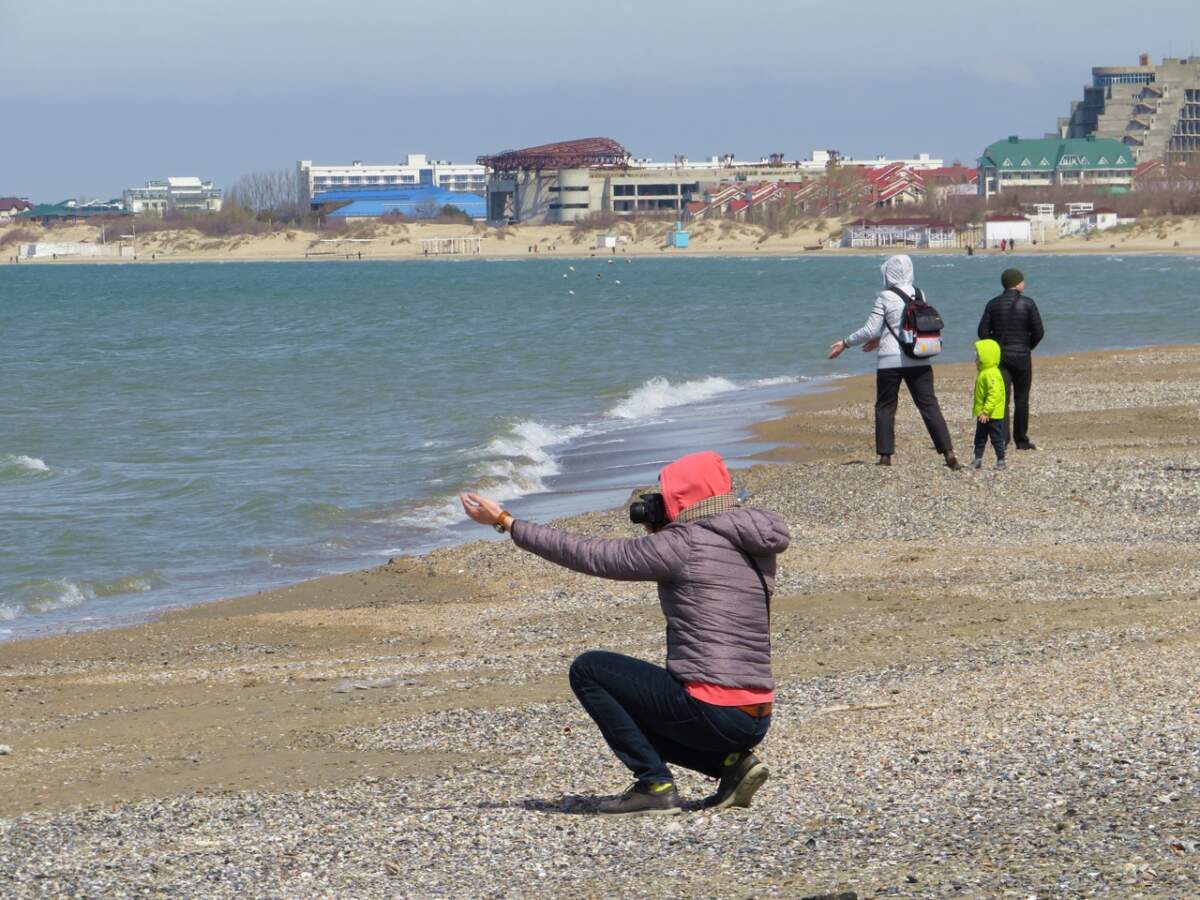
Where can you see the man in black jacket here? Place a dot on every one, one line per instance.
(1012, 320)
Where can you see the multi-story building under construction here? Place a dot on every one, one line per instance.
(1155, 110)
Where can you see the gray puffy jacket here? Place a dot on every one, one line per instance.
(718, 628)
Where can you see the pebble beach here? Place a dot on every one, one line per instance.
(986, 688)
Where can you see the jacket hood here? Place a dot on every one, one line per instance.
(898, 272)
(987, 353)
(693, 478)
(758, 532)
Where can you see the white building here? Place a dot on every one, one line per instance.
(416, 169)
(175, 194)
(1012, 230)
(817, 163)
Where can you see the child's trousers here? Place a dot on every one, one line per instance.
(994, 429)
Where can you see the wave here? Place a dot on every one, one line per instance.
(19, 464)
(658, 394)
(511, 465)
(48, 595)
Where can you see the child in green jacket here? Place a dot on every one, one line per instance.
(989, 403)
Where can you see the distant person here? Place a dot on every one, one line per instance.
(1012, 320)
(714, 561)
(893, 366)
(989, 406)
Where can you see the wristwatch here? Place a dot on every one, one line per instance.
(504, 522)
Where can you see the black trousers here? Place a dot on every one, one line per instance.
(649, 719)
(997, 430)
(919, 380)
(1018, 379)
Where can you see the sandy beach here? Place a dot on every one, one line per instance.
(382, 241)
(986, 688)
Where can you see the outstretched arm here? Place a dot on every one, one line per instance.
(656, 557)
(868, 335)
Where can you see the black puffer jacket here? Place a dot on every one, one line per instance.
(1012, 320)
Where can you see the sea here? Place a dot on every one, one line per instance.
(177, 433)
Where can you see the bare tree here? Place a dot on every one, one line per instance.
(277, 191)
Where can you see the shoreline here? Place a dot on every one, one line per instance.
(378, 241)
(790, 442)
(952, 650)
(833, 253)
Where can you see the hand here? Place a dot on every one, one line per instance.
(983, 418)
(871, 346)
(480, 509)
(836, 349)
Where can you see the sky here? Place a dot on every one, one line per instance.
(97, 97)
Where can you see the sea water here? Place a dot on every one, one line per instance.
(177, 433)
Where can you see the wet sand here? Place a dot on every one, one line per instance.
(986, 684)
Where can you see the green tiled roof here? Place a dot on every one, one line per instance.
(1069, 154)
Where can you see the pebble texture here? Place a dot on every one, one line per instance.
(987, 689)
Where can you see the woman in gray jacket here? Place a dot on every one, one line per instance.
(894, 367)
(714, 562)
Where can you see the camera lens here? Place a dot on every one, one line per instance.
(637, 513)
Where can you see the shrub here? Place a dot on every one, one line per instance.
(18, 235)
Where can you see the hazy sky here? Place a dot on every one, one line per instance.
(100, 96)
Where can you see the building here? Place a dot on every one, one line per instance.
(72, 211)
(1152, 109)
(11, 207)
(174, 195)
(415, 170)
(416, 202)
(1054, 163)
(1011, 230)
(568, 181)
(912, 232)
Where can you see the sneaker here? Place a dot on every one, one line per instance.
(1026, 445)
(645, 799)
(977, 462)
(744, 774)
(884, 461)
(1001, 464)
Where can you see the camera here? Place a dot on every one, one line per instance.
(650, 511)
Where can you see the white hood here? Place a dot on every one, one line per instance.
(898, 272)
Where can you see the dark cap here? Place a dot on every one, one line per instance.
(1011, 278)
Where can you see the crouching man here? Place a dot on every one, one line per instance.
(714, 562)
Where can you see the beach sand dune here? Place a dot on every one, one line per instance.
(370, 240)
(986, 688)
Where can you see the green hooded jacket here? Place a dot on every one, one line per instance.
(989, 383)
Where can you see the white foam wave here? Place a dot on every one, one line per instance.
(8, 613)
(65, 595)
(512, 465)
(25, 463)
(782, 379)
(658, 394)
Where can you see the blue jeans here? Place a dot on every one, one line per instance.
(649, 719)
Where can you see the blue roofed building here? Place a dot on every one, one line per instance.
(417, 202)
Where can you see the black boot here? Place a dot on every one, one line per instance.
(644, 799)
(743, 775)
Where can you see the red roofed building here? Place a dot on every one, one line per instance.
(12, 206)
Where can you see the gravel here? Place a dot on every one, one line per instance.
(1039, 740)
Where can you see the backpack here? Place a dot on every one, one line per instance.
(921, 326)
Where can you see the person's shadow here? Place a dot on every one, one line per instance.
(569, 805)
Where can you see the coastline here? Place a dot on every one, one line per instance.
(918, 608)
(383, 242)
